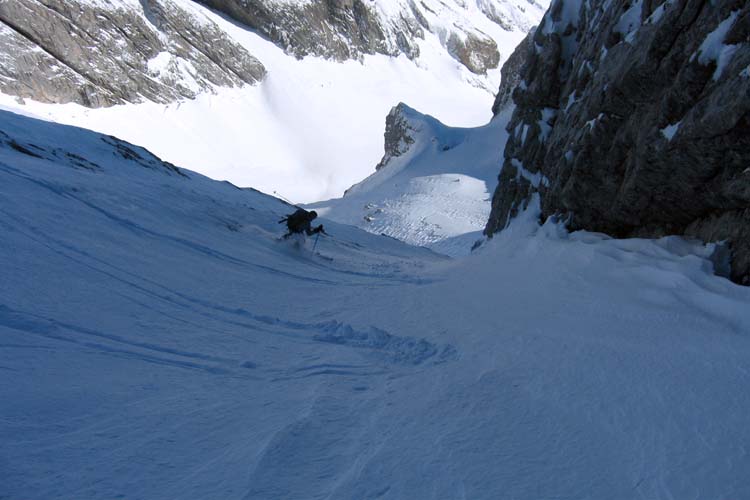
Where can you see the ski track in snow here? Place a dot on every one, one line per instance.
(157, 340)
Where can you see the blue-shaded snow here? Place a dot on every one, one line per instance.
(157, 341)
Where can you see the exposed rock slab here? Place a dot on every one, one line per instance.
(73, 51)
(339, 29)
(348, 29)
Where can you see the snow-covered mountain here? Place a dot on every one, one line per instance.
(593, 133)
(344, 29)
(157, 340)
(224, 91)
(432, 186)
(104, 52)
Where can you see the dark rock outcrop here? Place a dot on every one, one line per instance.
(477, 52)
(72, 51)
(510, 74)
(633, 119)
(338, 29)
(399, 133)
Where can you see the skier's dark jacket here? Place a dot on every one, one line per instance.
(300, 222)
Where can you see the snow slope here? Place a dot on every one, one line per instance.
(312, 128)
(435, 194)
(157, 341)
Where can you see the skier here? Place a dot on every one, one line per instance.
(300, 222)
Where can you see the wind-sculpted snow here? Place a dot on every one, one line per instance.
(62, 156)
(159, 341)
(384, 345)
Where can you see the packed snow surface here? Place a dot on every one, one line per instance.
(313, 127)
(158, 341)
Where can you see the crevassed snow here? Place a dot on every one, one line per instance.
(159, 342)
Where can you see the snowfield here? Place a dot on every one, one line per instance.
(158, 341)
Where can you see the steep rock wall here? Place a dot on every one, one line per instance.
(348, 29)
(633, 118)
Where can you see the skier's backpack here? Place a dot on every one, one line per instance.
(299, 221)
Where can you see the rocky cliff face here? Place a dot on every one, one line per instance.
(633, 118)
(105, 52)
(511, 74)
(99, 54)
(347, 29)
(339, 29)
(399, 134)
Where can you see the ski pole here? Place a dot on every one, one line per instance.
(316, 242)
(285, 199)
